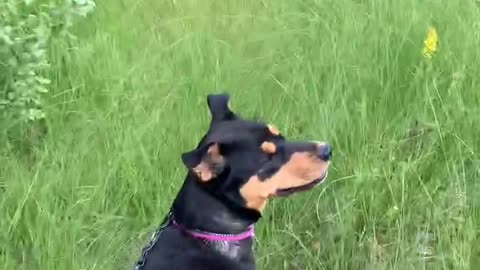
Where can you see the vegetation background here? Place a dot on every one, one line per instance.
(90, 160)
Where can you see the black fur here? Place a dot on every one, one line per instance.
(216, 206)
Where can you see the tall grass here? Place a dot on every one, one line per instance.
(128, 96)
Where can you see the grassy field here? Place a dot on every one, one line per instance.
(128, 97)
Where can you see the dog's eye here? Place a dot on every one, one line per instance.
(226, 149)
(231, 148)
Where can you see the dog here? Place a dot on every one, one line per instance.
(235, 169)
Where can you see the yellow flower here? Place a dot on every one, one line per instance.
(430, 43)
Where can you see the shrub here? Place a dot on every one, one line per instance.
(26, 29)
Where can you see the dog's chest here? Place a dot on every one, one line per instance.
(229, 249)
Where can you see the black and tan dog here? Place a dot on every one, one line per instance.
(237, 166)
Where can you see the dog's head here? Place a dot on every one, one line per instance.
(247, 162)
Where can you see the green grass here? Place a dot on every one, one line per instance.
(128, 97)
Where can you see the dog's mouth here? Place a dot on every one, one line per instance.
(289, 191)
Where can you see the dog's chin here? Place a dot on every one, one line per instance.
(289, 191)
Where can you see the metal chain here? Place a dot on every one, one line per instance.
(153, 240)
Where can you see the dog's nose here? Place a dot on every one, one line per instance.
(324, 152)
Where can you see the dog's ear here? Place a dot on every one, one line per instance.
(218, 105)
(206, 162)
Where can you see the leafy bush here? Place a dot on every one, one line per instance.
(26, 29)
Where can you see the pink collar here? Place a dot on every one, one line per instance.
(208, 236)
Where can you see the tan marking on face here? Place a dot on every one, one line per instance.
(205, 169)
(301, 169)
(269, 147)
(273, 130)
(256, 193)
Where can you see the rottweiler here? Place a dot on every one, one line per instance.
(235, 169)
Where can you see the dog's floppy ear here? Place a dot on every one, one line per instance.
(218, 105)
(206, 162)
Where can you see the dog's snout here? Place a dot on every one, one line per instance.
(324, 152)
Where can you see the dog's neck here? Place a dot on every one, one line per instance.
(195, 208)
